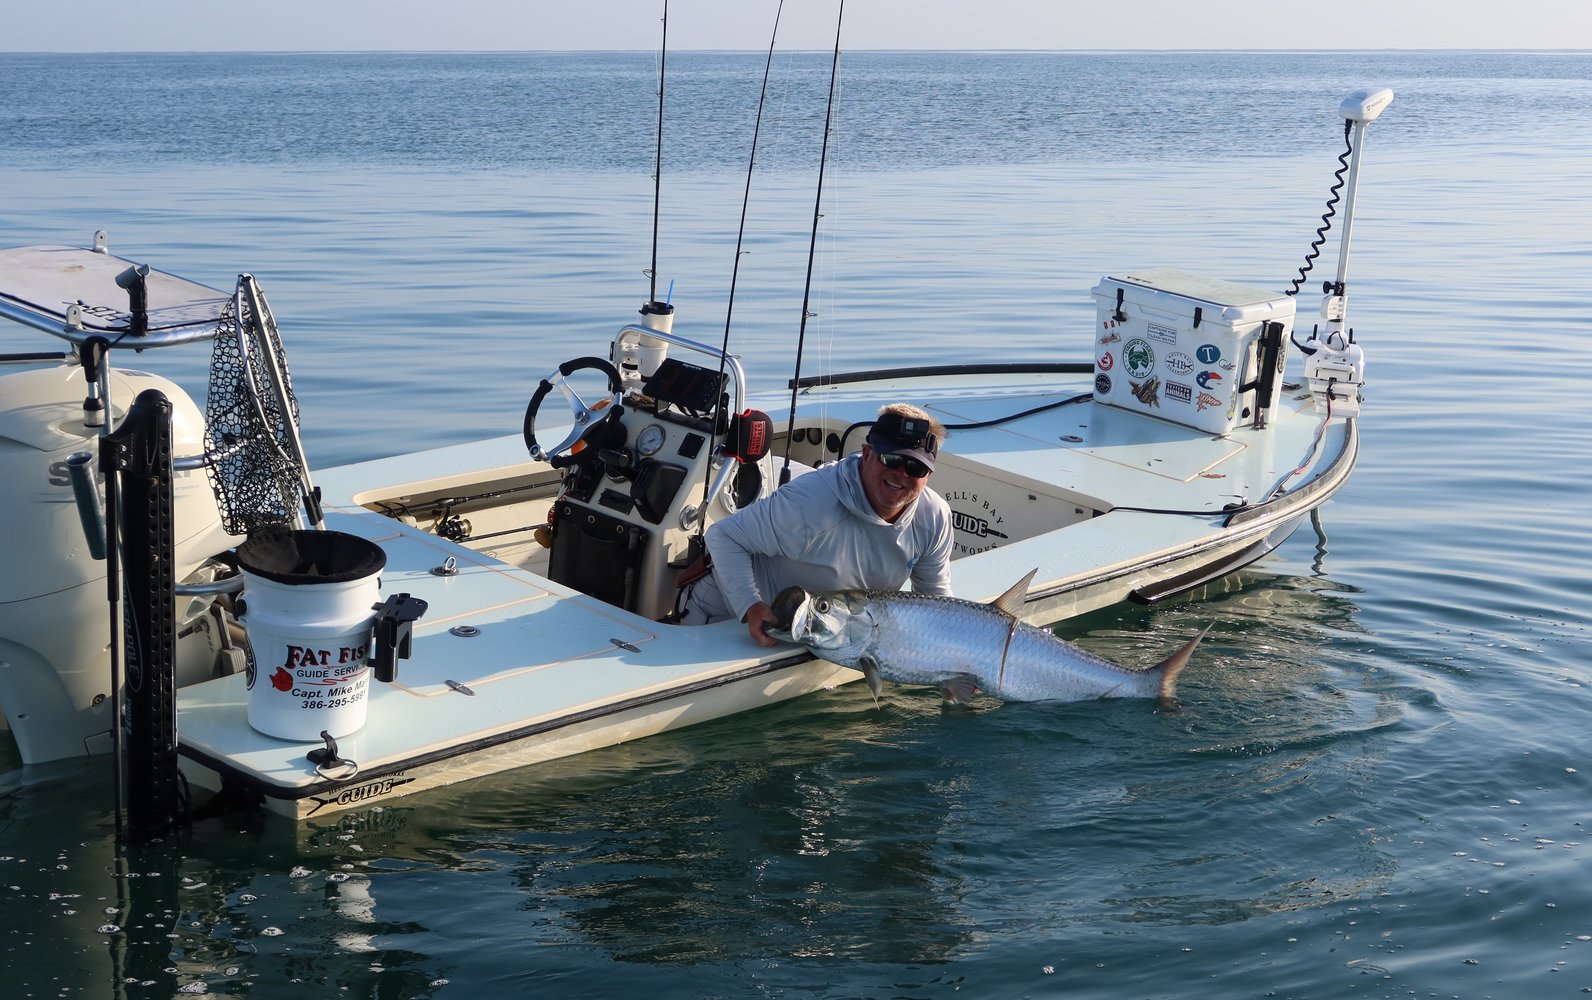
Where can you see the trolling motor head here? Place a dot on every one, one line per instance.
(1365, 104)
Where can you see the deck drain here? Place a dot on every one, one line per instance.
(464, 631)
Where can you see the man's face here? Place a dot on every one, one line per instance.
(890, 491)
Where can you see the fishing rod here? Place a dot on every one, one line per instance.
(657, 169)
(812, 247)
(740, 235)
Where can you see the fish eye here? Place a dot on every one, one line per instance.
(821, 606)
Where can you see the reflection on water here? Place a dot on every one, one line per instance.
(827, 835)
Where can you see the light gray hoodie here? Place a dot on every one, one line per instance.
(819, 532)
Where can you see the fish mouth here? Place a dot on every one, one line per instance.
(786, 607)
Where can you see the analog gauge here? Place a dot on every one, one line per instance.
(650, 439)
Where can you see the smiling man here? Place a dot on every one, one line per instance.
(868, 521)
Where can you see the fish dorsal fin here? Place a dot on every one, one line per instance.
(1011, 602)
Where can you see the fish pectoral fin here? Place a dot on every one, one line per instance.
(959, 689)
(1011, 602)
(870, 673)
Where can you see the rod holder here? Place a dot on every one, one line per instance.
(80, 471)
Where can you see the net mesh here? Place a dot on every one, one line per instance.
(247, 433)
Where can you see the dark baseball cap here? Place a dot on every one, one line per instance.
(895, 434)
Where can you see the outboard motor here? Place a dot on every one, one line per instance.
(54, 618)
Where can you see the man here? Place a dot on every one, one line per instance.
(868, 521)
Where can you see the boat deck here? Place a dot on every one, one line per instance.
(549, 671)
(540, 660)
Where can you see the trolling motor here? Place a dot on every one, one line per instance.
(1334, 363)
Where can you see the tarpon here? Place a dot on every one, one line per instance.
(962, 646)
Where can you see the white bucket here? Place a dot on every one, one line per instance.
(308, 600)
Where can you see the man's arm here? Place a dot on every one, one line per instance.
(779, 525)
(931, 574)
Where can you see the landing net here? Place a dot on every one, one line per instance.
(251, 418)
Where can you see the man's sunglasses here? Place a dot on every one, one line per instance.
(913, 467)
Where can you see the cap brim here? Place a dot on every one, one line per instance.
(916, 453)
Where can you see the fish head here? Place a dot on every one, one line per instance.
(835, 626)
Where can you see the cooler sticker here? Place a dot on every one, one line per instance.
(1164, 334)
(1208, 354)
(1179, 363)
(1111, 338)
(1102, 385)
(1180, 392)
(1205, 402)
(1107, 361)
(1139, 358)
(1206, 378)
(1147, 392)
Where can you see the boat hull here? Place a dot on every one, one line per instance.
(489, 754)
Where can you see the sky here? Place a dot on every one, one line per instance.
(518, 25)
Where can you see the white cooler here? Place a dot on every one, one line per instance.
(1184, 348)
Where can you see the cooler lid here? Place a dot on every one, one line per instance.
(1224, 294)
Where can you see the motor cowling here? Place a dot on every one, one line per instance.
(54, 613)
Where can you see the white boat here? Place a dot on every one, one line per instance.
(525, 585)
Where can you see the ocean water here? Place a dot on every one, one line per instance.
(1378, 784)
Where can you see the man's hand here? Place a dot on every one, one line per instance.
(757, 616)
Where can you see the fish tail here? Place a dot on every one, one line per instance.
(1172, 666)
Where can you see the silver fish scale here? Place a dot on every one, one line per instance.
(923, 639)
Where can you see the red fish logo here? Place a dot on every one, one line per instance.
(282, 680)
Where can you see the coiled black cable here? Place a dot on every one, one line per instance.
(1332, 209)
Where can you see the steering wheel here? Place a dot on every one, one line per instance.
(586, 419)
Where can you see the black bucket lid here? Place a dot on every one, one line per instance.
(297, 556)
